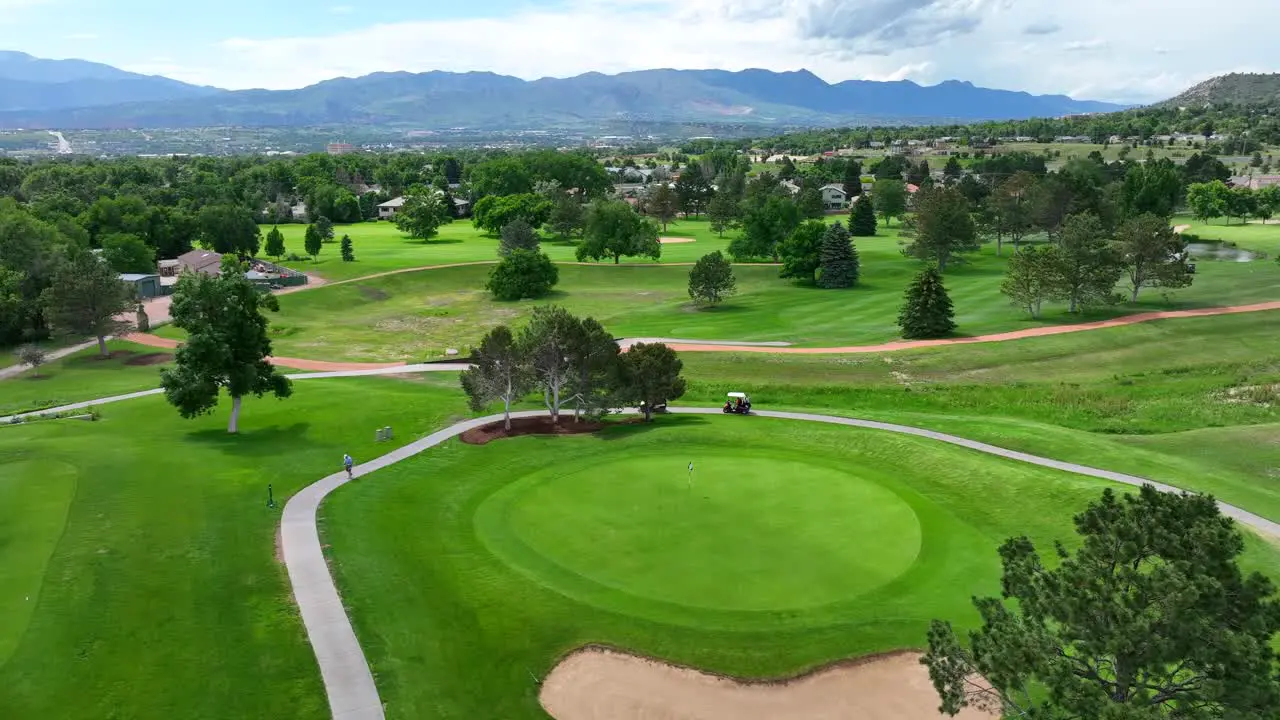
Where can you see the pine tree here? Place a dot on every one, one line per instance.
(348, 255)
(863, 220)
(839, 259)
(927, 312)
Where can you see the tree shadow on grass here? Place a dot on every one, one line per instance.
(635, 424)
(434, 241)
(263, 442)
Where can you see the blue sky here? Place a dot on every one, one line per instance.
(1132, 50)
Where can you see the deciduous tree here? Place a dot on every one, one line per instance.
(548, 343)
(944, 229)
(1150, 617)
(890, 197)
(85, 297)
(228, 229)
(651, 377)
(1085, 268)
(227, 344)
(853, 179)
(1208, 200)
(33, 356)
(809, 202)
(324, 226)
(927, 312)
(801, 252)
(275, 243)
(663, 204)
(493, 213)
(767, 220)
(1152, 254)
(127, 253)
(693, 190)
(722, 212)
(711, 279)
(1028, 279)
(1011, 204)
(499, 371)
(423, 213)
(839, 259)
(312, 241)
(523, 274)
(614, 230)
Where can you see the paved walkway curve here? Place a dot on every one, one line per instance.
(348, 680)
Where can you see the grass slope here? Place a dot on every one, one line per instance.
(137, 576)
(417, 316)
(82, 376)
(455, 630)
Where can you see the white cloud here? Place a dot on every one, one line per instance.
(1085, 45)
(1104, 51)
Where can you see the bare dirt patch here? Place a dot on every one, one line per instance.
(374, 294)
(149, 359)
(535, 426)
(675, 240)
(600, 684)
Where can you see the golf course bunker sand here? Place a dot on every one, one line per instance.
(675, 240)
(600, 684)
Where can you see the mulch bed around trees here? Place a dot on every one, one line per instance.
(149, 359)
(535, 426)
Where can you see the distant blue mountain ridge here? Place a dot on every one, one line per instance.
(78, 94)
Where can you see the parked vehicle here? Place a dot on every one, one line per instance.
(737, 404)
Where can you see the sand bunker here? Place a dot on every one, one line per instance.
(675, 240)
(598, 684)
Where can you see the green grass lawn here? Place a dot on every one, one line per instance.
(84, 376)
(416, 316)
(381, 247)
(137, 571)
(794, 545)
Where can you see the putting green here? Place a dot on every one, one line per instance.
(742, 532)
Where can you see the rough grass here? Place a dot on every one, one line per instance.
(78, 377)
(413, 549)
(416, 316)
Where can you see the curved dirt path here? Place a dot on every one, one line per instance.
(348, 680)
(681, 345)
(716, 346)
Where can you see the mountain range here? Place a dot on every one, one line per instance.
(31, 84)
(77, 94)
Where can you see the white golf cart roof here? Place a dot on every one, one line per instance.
(738, 395)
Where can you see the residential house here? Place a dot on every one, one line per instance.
(388, 209)
(791, 187)
(200, 261)
(834, 197)
(1254, 182)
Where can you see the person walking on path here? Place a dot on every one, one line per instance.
(347, 462)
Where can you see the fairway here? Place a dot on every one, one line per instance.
(792, 546)
(643, 526)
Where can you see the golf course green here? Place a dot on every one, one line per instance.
(791, 545)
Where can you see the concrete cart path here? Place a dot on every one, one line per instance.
(348, 680)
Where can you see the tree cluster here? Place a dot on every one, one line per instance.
(569, 360)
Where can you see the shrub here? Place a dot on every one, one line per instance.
(523, 274)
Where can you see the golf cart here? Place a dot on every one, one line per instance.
(737, 404)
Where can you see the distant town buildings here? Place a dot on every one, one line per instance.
(340, 148)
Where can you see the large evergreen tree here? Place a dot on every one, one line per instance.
(1085, 267)
(1150, 616)
(348, 252)
(227, 344)
(927, 312)
(839, 259)
(518, 235)
(862, 222)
